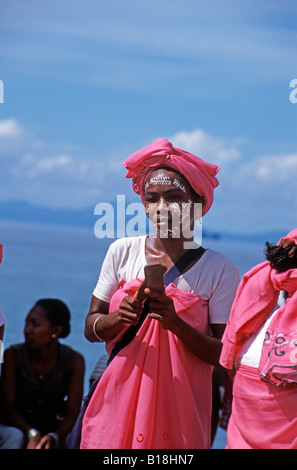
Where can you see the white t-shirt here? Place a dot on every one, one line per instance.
(214, 277)
(250, 354)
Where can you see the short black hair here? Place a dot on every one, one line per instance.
(58, 313)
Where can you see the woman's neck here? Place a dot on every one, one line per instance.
(45, 353)
(164, 250)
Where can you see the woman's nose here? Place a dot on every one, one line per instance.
(161, 204)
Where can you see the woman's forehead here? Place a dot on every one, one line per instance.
(163, 176)
(37, 312)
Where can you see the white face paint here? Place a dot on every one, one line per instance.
(179, 185)
(160, 179)
(180, 216)
(180, 212)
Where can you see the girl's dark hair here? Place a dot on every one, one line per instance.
(281, 257)
(58, 313)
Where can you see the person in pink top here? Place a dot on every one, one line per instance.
(156, 392)
(261, 340)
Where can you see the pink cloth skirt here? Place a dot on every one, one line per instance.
(263, 415)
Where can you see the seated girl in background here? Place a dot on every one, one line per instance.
(42, 381)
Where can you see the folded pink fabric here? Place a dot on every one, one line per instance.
(255, 299)
(200, 174)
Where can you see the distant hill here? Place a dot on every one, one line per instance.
(26, 212)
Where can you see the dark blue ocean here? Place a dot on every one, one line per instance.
(64, 262)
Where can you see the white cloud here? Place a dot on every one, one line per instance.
(255, 193)
(10, 128)
(212, 149)
(33, 171)
(277, 168)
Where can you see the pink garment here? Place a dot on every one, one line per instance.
(255, 299)
(263, 415)
(200, 174)
(1, 253)
(155, 394)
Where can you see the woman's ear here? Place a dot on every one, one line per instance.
(56, 331)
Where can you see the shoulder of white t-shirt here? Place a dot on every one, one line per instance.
(127, 241)
(219, 259)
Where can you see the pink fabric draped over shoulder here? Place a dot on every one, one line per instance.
(201, 175)
(255, 299)
(152, 395)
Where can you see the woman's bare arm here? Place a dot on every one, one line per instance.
(108, 325)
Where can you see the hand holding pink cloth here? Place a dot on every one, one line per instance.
(255, 299)
(182, 300)
(200, 174)
(132, 406)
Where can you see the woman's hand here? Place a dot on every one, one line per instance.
(129, 310)
(46, 442)
(206, 347)
(33, 441)
(110, 324)
(162, 309)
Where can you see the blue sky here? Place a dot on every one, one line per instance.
(87, 83)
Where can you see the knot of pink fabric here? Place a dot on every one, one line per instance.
(201, 175)
(284, 281)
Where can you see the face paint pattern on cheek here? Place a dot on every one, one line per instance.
(180, 215)
(184, 211)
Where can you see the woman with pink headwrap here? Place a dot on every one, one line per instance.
(156, 392)
(261, 339)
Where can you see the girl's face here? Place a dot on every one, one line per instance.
(169, 203)
(38, 330)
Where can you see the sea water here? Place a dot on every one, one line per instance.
(64, 262)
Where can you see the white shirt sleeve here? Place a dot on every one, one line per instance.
(221, 300)
(108, 282)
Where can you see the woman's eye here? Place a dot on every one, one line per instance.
(174, 197)
(150, 199)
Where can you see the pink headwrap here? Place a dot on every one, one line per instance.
(200, 174)
(255, 299)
